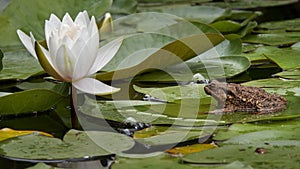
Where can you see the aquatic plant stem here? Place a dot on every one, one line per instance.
(73, 104)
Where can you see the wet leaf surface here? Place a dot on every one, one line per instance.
(29, 101)
(75, 145)
(278, 154)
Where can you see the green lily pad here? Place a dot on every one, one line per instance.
(279, 154)
(29, 101)
(289, 74)
(239, 129)
(212, 68)
(1, 57)
(75, 145)
(17, 16)
(287, 25)
(247, 4)
(157, 135)
(206, 14)
(286, 58)
(161, 23)
(166, 162)
(153, 47)
(183, 114)
(123, 7)
(273, 83)
(277, 39)
(227, 26)
(19, 65)
(173, 93)
(160, 161)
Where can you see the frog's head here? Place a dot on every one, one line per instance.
(217, 90)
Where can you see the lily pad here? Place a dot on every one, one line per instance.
(287, 25)
(123, 7)
(289, 74)
(7, 133)
(211, 68)
(148, 112)
(206, 14)
(75, 145)
(238, 129)
(17, 16)
(155, 51)
(29, 101)
(156, 136)
(19, 65)
(273, 39)
(190, 149)
(286, 58)
(248, 4)
(279, 154)
(1, 57)
(171, 94)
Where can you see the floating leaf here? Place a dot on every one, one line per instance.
(190, 149)
(206, 14)
(1, 57)
(155, 51)
(211, 68)
(289, 74)
(123, 7)
(173, 93)
(19, 65)
(155, 136)
(238, 129)
(7, 133)
(247, 4)
(273, 39)
(227, 26)
(28, 101)
(148, 112)
(287, 25)
(75, 145)
(286, 58)
(279, 154)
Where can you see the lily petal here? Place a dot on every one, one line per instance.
(65, 62)
(51, 25)
(28, 42)
(43, 57)
(105, 54)
(93, 86)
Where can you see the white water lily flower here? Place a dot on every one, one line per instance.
(73, 53)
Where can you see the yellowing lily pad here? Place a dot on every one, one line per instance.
(190, 149)
(7, 133)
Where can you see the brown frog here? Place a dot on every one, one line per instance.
(235, 97)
